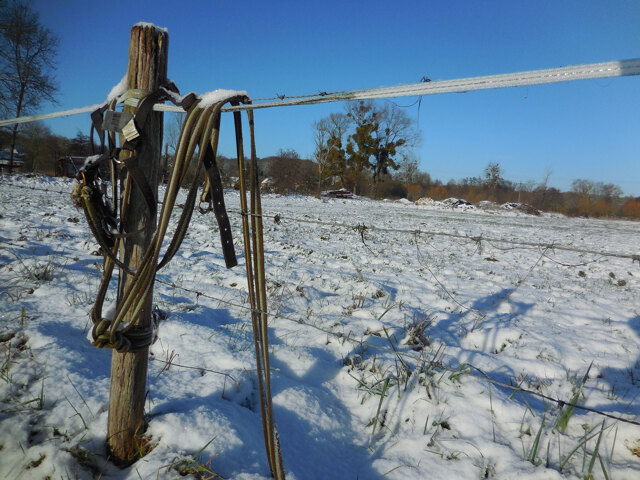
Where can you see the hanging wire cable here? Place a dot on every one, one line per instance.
(618, 68)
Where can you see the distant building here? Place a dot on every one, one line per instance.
(18, 162)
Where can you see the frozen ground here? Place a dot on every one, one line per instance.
(389, 330)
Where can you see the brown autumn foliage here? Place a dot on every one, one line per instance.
(631, 208)
(602, 208)
(414, 191)
(439, 192)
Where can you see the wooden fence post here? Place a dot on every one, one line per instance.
(147, 70)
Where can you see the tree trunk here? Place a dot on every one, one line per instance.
(147, 70)
(14, 130)
(14, 136)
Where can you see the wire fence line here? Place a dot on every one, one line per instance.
(360, 227)
(33, 187)
(480, 312)
(618, 68)
(394, 351)
(360, 343)
(464, 369)
(477, 239)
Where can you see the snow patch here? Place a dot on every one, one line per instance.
(151, 25)
(219, 95)
(117, 90)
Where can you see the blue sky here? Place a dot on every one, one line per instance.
(587, 129)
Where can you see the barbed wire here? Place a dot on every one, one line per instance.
(433, 363)
(360, 227)
(477, 238)
(480, 311)
(170, 363)
(560, 403)
(361, 343)
(417, 360)
(33, 187)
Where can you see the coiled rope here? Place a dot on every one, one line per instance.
(200, 131)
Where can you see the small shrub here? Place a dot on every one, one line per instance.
(416, 333)
(38, 272)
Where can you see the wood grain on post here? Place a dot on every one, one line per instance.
(147, 70)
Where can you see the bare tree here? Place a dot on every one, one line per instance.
(327, 136)
(408, 168)
(543, 188)
(608, 191)
(289, 173)
(382, 133)
(320, 152)
(493, 176)
(583, 188)
(27, 63)
(172, 127)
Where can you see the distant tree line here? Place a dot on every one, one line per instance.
(288, 173)
(355, 151)
(40, 149)
(369, 150)
(586, 197)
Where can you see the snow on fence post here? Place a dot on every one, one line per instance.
(147, 70)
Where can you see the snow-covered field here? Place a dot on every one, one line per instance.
(382, 344)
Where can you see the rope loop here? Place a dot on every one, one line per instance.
(104, 337)
(125, 331)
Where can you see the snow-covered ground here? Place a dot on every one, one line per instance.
(382, 344)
